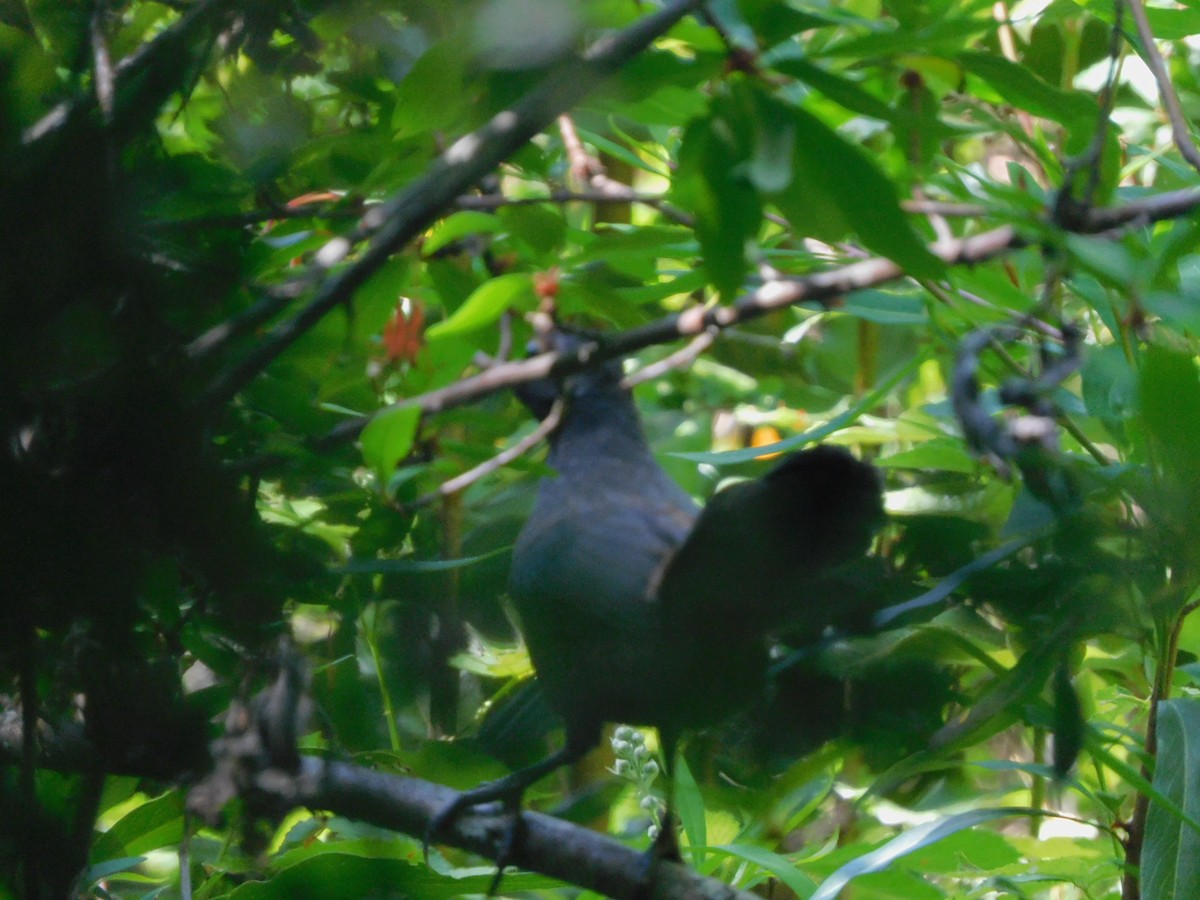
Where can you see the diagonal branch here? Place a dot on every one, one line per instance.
(1166, 90)
(141, 82)
(825, 288)
(548, 845)
(395, 223)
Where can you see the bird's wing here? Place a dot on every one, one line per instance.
(586, 566)
(757, 545)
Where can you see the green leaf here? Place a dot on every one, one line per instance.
(388, 437)
(485, 305)
(913, 839)
(836, 189)
(154, 824)
(110, 867)
(779, 866)
(1171, 854)
(690, 805)
(458, 226)
(711, 181)
(1023, 89)
(841, 90)
(414, 566)
(542, 228)
(939, 454)
(795, 442)
(1169, 399)
(433, 93)
(1103, 755)
(885, 308)
(336, 874)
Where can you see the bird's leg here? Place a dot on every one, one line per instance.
(508, 791)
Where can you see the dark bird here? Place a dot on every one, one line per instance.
(636, 606)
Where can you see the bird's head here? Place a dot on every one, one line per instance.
(602, 380)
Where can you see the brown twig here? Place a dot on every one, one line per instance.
(1166, 90)
(501, 459)
(1008, 48)
(548, 845)
(591, 172)
(102, 67)
(679, 359)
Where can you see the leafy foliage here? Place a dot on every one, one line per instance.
(246, 267)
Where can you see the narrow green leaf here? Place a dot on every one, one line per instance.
(413, 566)
(939, 455)
(913, 839)
(841, 90)
(712, 183)
(485, 305)
(795, 442)
(690, 805)
(388, 437)
(779, 866)
(458, 226)
(885, 308)
(1171, 854)
(1020, 87)
(836, 188)
(110, 867)
(154, 824)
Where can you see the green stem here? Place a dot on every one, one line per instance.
(1131, 882)
(389, 710)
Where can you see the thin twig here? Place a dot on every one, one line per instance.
(591, 172)
(1008, 48)
(501, 459)
(1166, 90)
(1067, 206)
(681, 358)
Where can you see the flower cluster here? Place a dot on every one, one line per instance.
(635, 763)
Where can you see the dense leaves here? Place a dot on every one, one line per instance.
(252, 253)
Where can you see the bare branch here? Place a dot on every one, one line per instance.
(1166, 90)
(590, 171)
(679, 359)
(501, 459)
(471, 157)
(547, 845)
(825, 288)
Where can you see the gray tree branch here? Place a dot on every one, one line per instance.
(393, 224)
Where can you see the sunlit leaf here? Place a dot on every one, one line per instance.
(486, 305)
(1171, 854)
